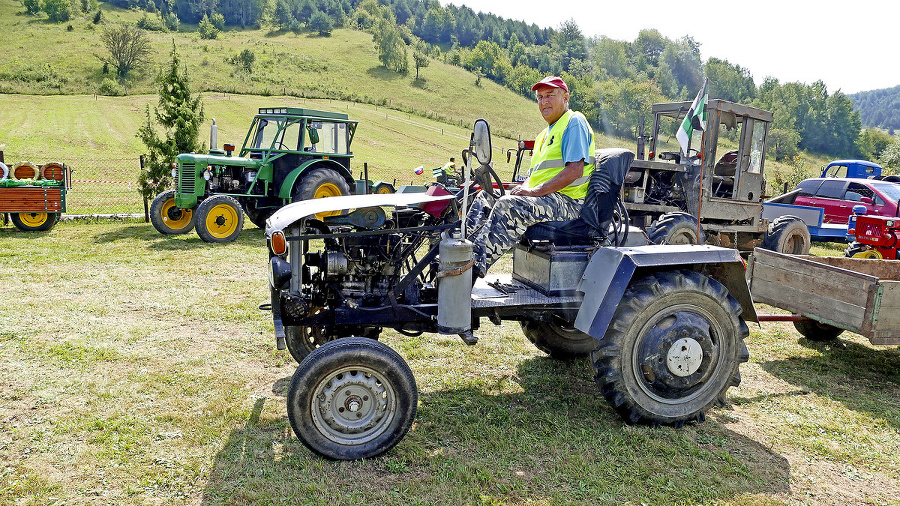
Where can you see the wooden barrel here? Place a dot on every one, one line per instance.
(26, 170)
(53, 170)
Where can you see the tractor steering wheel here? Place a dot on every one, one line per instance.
(485, 176)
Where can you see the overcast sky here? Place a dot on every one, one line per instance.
(851, 46)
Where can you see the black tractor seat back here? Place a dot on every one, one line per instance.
(599, 206)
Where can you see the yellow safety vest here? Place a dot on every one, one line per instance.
(547, 161)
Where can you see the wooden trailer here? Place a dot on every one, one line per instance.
(832, 294)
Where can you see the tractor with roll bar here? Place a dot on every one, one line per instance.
(663, 325)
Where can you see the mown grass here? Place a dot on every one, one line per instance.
(136, 368)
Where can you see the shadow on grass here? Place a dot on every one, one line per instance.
(151, 239)
(544, 435)
(383, 73)
(858, 376)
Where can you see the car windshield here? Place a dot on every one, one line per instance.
(891, 191)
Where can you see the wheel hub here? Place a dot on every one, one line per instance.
(174, 213)
(676, 354)
(353, 406)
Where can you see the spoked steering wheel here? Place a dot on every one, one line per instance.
(485, 176)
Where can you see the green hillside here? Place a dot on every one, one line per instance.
(45, 58)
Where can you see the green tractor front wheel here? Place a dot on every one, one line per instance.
(169, 219)
(219, 219)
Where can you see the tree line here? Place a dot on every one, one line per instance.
(879, 108)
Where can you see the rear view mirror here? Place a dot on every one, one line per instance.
(481, 142)
(867, 200)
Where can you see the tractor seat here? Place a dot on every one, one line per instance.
(610, 168)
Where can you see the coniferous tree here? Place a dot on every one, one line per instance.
(179, 115)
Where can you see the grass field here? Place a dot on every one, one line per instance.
(136, 368)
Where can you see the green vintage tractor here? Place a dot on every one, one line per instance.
(289, 154)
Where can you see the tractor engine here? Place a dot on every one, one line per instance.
(360, 269)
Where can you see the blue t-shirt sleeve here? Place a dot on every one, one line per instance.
(576, 141)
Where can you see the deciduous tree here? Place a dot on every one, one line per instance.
(128, 46)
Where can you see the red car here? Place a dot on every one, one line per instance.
(837, 196)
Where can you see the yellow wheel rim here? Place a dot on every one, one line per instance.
(870, 253)
(222, 221)
(384, 189)
(324, 191)
(186, 216)
(33, 220)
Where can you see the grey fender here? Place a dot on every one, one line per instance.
(610, 270)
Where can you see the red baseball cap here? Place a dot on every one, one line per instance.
(551, 81)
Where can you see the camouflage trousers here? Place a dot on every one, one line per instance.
(494, 230)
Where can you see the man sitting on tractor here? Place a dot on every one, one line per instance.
(556, 185)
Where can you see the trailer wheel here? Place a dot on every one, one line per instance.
(219, 219)
(169, 219)
(352, 398)
(303, 340)
(673, 349)
(676, 228)
(34, 222)
(817, 331)
(787, 234)
(320, 183)
(383, 188)
(559, 341)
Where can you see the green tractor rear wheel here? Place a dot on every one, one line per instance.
(320, 183)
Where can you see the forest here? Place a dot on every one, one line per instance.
(612, 82)
(879, 108)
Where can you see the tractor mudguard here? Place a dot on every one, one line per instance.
(610, 270)
(288, 186)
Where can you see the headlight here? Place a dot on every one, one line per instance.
(174, 171)
(207, 174)
(279, 272)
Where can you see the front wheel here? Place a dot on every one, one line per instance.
(219, 219)
(353, 398)
(34, 222)
(561, 342)
(169, 219)
(672, 350)
(302, 340)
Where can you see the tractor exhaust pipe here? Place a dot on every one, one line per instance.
(213, 133)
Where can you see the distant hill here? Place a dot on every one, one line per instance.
(879, 108)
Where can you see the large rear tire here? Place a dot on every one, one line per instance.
(676, 228)
(352, 398)
(559, 341)
(219, 219)
(673, 349)
(787, 234)
(320, 183)
(169, 219)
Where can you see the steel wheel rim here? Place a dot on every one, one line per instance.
(221, 221)
(168, 210)
(687, 387)
(871, 253)
(33, 219)
(353, 405)
(325, 191)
